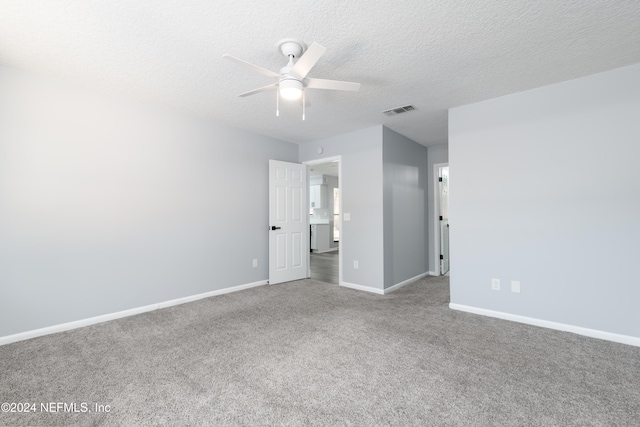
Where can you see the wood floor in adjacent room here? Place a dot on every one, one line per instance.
(324, 266)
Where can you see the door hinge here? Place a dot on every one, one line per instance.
(441, 256)
(439, 179)
(440, 217)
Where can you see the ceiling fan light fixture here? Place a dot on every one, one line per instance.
(290, 89)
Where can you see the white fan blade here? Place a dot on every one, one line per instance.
(330, 84)
(272, 86)
(251, 66)
(307, 60)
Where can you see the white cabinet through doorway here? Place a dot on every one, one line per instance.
(320, 237)
(318, 196)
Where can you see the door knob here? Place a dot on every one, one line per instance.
(273, 227)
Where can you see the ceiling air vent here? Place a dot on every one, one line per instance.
(399, 110)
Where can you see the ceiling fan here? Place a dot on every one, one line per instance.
(292, 78)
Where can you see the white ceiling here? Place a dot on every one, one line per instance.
(432, 54)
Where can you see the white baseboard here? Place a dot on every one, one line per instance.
(432, 273)
(383, 291)
(404, 283)
(362, 288)
(120, 314)
(593, 333)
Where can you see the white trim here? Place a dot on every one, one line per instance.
(432, 273)
(593, 333)
(404, 283)
(120, 314)
(362, 288)
(319, 162)
(436, 215)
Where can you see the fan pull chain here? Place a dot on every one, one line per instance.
(278, 101)
(304, 101)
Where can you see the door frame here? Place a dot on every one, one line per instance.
(436, 216)
(341, 245)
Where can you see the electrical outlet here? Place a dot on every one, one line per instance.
(515, 286)
(355, 265)
(255, 263)
(495, 284)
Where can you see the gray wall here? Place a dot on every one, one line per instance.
(435, 154)
(405, 208)
(545, 189)
(106, 206)
(361, 191)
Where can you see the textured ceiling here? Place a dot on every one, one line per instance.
(432, 54)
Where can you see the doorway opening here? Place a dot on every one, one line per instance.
(441, 218)
(325, 222)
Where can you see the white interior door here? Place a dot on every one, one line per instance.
(444, 220)
(288, 222)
